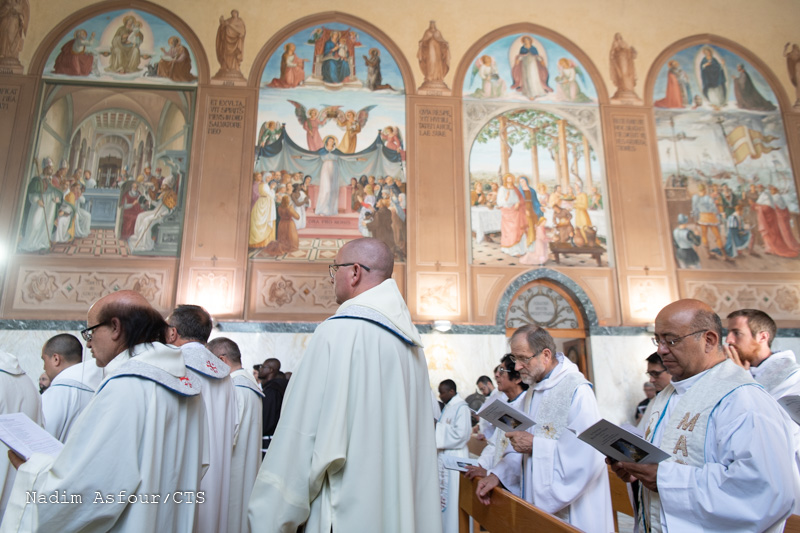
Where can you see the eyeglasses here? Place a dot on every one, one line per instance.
(673, 342)
(334, 267)
(87, 333)
(654, 373)
(521, 358)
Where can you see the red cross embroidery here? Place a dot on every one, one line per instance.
(185, 381)
(213, 368)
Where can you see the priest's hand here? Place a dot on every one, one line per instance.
(621, 473)
(475, 471)
(522, 441)
(646, 474)
(15, 459)
(485, 486)
(733, 354)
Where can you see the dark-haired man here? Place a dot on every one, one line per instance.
(246, 455)
(452, 434)
(70, 387)
(485, 385)
(509, 382)
(730, 467)
(189, 327)
(355, 446)
(139, 442)
(560, 474)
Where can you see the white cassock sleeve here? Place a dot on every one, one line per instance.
(240, 401)
(455, 435)
(487, 454)
(748, 453)
(562, 469)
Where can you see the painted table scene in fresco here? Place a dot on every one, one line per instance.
(536, 193)
(117, 187)
(329, 157)
(123, 46)
(528, 67)
(730, 191)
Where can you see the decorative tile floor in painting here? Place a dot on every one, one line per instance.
(311, 249)
(489, 254)
(99, 242)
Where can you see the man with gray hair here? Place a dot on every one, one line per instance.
(246, 455)
(560, 474)
(70, 388)
(355, 444)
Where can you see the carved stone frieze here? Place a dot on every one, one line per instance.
(780, 300)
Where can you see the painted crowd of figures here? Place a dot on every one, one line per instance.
(730, 223)
(524, 212)
(281, 203)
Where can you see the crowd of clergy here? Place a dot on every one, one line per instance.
(162, 429)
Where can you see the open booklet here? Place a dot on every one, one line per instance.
(452, 462)
(502, 415)
(620, 445)
(25, 437)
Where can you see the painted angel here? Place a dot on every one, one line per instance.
(269, 132)
(311, 121)
(352, 123)
(492, 85)
(568, 89)
(393, 141)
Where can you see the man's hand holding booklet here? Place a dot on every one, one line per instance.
(502, 415)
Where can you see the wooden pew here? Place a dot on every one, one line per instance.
(792, 524)
(507, 513)
(620, 502)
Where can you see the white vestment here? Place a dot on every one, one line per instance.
(18, 394)
(496, 447)
(745, 482)
(63, 401)
(354, 449)
(484, 426)
(140, 439)
(219, 398)
(453, 430)
(563, 476)
(246, 458)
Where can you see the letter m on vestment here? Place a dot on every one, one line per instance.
(686, 424)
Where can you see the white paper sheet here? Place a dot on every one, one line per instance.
(26, 437)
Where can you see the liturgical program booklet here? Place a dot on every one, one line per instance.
(502, 415)
(25, 437)
(620, 445)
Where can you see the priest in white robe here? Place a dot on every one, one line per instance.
(246, 456)
(511, 386)
(18, 394)
(484, 384)
(731, 465)
(354, 449)
(561, 475)
(70, 391)
(453, 429)
(139, 442)
(189, 329)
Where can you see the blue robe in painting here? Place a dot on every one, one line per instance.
(333, 70)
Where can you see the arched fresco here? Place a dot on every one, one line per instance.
(330, 157)
(535, 160)
(729, 186)
(129, 46)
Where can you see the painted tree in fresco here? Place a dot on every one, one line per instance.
(532, 130)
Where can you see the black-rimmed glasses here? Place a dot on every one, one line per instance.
(676, 340)
(521, 358)
(87, 333)
(332, 268)
(654, 373)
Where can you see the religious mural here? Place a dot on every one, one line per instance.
(109, 165)
(528, 67)
(123, 46)
(730, 191)
(536, 183)
(330, 159)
